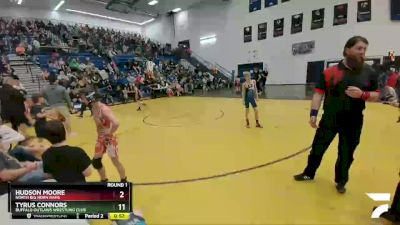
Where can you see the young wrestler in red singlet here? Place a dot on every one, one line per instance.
(107, 124)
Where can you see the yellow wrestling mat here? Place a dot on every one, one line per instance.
(202, 145)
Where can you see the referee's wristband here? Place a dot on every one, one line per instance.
(314, 112)
(365, 95)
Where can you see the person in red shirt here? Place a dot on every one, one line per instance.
(390, 87)
(20, 50)
(393, 79)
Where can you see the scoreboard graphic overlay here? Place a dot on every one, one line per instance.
(70, 201)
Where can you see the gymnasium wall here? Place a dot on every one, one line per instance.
(22, 12)
(161, 30)
(226, 19)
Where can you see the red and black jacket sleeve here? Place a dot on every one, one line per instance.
(320, 86)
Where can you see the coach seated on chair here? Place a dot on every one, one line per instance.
(63, 162)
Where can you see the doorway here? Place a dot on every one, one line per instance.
(184, 44)
(314, 70)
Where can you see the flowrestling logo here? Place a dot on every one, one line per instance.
(379, 197)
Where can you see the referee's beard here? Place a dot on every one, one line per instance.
(355, 62)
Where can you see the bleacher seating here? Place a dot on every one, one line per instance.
(44, 59)
(119, 58)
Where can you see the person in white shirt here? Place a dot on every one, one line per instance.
(149, 69)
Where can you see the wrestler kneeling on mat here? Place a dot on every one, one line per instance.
(250, 96)
(107, 124)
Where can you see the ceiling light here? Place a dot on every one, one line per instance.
(208, 41)
(153, 2)
(208, 37)
(59, 5)
(19, 2)
(98, 1)
(109, 17)
(176, 10)
(148, 21)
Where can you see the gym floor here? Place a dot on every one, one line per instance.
(196, 163)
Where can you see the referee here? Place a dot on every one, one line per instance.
(346, 87)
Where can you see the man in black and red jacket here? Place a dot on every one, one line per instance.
(12, 104)
(346, 87)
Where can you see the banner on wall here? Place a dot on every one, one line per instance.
(262, 31)
(254, 5)
(364, 11)
(340, 14)
(247, 34)
(278, 27)
(297, 23)
(269, 3)
(317, 20)
(303, 47)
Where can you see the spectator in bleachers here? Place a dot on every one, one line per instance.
(2, 46)
(62, 78)
(136, 68)
(189, 86)
(84, 104)
(106, 43)
(4, 67)
(74, 65)
(390, 94)
(36, 46)
(55, 55)
(54, 67)
(20, 50)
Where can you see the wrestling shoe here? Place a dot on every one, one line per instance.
(302, 177)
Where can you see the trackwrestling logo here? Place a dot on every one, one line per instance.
(379, 197)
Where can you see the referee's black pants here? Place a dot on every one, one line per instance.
(348, 126)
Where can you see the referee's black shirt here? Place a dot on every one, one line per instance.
(335, 80)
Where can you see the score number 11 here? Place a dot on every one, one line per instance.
(121, 207)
